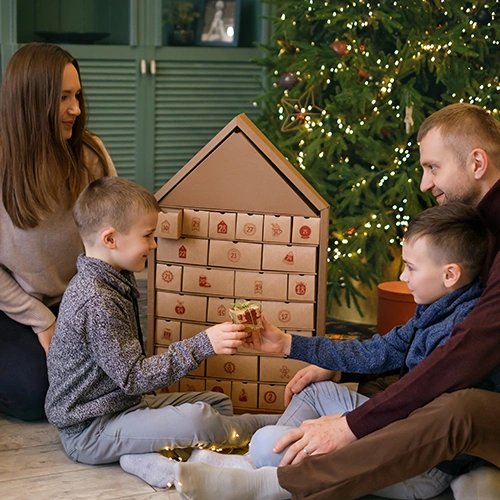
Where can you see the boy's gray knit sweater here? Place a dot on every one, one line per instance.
(96, 365)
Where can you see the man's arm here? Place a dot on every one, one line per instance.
(461, 422)
(470, 354)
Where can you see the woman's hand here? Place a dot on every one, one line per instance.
(45, 337)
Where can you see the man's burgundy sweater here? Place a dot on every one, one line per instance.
(471, 353)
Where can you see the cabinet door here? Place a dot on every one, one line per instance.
(197, 91)
(113, 83)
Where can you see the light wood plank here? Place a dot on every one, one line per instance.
(104, 482)
(15, 434)
(27, 462)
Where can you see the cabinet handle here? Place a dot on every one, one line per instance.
(152, 67)
(143, 67)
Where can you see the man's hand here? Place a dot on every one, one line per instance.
(45, 337)
(307, 376)
(314, 437)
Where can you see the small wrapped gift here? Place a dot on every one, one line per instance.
(246, 313)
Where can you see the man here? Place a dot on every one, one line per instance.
(460, 157)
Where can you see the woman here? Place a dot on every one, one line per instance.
(46, 158)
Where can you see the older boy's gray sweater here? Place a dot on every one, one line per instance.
(96, 365)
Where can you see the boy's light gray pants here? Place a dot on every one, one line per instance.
(175, 420)
(327, 398)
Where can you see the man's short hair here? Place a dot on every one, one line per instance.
(111, 202)
(455, 233)
(465, 127)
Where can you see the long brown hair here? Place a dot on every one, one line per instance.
(35, 159)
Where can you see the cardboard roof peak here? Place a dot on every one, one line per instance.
(241, 170)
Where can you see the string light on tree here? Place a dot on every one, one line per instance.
(377, 69)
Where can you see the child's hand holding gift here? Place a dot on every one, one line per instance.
(226, 337)
(269, 338)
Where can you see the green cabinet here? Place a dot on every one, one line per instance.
(153, 105)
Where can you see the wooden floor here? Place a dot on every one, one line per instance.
(33, 465)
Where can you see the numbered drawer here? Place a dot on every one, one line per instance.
(235, 254)
(300, 259)
(208, 281)
(245, 394)
(168, 277)
(249, 227)
(179, 306)
(272, 397)
(233, 367)
(169, 224)
(222, 226)
(183, 251)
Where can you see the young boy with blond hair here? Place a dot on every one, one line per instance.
(99, 375)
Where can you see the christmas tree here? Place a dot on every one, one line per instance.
(349, 83)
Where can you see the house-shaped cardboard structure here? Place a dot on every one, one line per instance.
(238, 222)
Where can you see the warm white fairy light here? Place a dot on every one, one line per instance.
(433, 49)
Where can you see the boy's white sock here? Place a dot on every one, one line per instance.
(221, 459)
(197, 481)
(154, 468)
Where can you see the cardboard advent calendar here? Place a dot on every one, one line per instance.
(238, 222)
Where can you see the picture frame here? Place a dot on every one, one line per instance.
(220, 23)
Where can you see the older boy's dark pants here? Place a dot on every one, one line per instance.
(23, 371)
(462, 422)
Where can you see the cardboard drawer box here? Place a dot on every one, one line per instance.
(189, 330)
(223, 386)
(279, 369)
(195, 223)
(277, 228)
(302, 287)
(169, 388)
(266, 286)
(200, 371)
(167, 331)
(300, 259)
(179, 306)
(190, 384)
(303, 333)
(218, 308)
(245, 394)
(235, 254)
(305, 230)
(290, 315)
(160, 349)
(169, 224)
(272, 397)
(233, 367)
(183, 251)
(222, 226)
(208, 281)
(168, 277)
(249, 227)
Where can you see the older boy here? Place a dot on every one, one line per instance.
(443, 251)
(98, 372)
